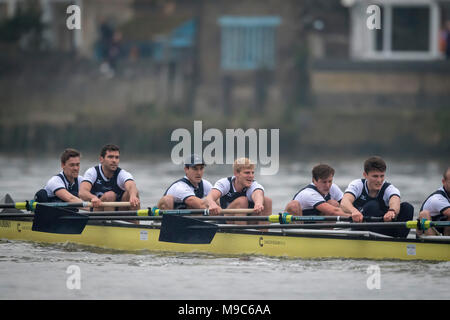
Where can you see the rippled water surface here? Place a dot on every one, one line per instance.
(39, 271)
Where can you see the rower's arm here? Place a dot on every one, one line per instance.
(211, 202)
(347, 203)
(195, 203)
(394, 203)
(446, 213)
(329, 210)
(213, 196)
(131, 188)
(347, 206)
(258, 197)
(85, 191)
(394, 208)
(66, 196)
(85, 194)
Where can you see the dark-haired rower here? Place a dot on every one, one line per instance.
(188, 192)
(321, 197)
(373, 196)
(63, 187)
(107, 182)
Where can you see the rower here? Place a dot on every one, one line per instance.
(64, 186)
(321, 197)
(190, 191)
(437, 207)
(239, 191)
(373, 196)
(107, 182)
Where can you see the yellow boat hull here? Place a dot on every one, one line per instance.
(144, 237)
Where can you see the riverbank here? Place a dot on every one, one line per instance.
(51, 102)
(146, 130)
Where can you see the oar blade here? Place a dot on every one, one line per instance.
(58, 220)
(179, 229)
(7, 199)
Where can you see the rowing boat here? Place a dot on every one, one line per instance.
(307, 244)
(51, 224)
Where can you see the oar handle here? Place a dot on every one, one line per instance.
(31, 205)
(110, 204)
(274, 218)
(238, 211)
(85, 204)
(157, 212)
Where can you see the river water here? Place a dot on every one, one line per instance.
(40, 271)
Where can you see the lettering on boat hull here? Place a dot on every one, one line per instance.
(262, 242)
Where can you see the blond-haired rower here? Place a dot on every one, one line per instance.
(239, 191)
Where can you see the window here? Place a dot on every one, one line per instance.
(248, 43)
(409, 30)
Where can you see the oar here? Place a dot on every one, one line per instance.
(59, 220)
(179, 229)
(282, 218)
(272, 218)
(285, 218)
(119, 215)
(157, 212)
(413, 224)
(31, 205)
(48, 219)
(109, 215)
(140, 212)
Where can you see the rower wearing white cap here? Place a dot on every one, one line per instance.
(189, 191)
